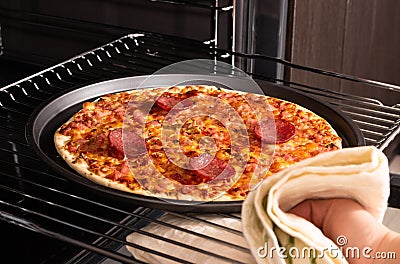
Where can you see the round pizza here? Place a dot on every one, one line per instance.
(190, 143)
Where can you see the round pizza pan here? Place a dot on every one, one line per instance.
(45, 120)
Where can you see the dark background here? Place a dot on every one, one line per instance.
(37, 34)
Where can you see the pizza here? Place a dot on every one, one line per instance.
(190, 143)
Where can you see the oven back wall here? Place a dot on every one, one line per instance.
(193, 22)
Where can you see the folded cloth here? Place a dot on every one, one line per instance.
(274, 236)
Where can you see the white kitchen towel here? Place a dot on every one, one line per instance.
(274, 236)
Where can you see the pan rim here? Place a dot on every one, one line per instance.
(33, 134)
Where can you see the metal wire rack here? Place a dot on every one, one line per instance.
(36, 198)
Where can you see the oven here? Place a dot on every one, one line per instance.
(47, 218)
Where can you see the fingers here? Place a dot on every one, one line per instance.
(317, 211)
(303, 210)
(347, 218)
(313, 211)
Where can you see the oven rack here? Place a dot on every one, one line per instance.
(96, 33)
(36, 198)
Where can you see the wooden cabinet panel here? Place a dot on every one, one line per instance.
(372, 46)
(317, 40)
(355, 37)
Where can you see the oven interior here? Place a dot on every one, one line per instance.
(49, 219)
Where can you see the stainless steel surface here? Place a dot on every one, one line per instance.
(260, 28)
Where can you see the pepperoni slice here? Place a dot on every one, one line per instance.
(133, 141)
(115, 138)
(120, 174)
(284, 131)
(167, 101)
(209, 167)
(135, 144)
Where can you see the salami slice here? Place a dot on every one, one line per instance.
(167, 101)
(120, 173)
(209, 167)
(115, 138)
(135, 142)
(284, 131)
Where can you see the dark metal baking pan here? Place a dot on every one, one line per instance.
(50, 115)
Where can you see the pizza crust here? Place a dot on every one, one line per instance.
(80, 166)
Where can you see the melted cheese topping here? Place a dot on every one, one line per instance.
(200, 133)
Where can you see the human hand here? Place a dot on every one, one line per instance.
(338, 218)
